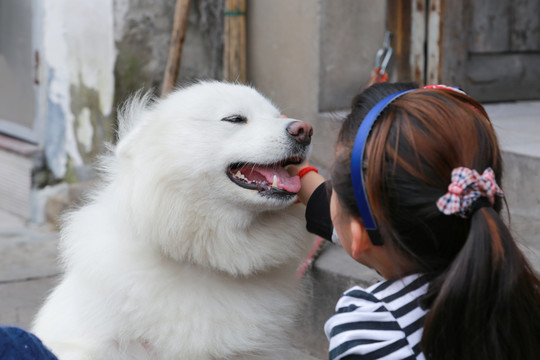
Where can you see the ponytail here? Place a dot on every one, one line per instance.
(487, 304)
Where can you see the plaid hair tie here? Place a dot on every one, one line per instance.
(465, 188)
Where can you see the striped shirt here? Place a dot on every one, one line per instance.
(384, 321)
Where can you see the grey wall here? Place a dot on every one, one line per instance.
(351, 32)
(311, 57)
(283, 53)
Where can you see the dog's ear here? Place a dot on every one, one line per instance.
(124, 147)
(133, 110)
(130, 116)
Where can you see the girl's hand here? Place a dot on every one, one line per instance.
(309, 181)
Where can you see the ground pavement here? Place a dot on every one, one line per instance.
(27, 268)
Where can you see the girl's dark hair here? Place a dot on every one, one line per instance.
(484, 297)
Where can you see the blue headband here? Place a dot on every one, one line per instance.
(357, 171)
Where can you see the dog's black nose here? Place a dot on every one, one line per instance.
(301, 132)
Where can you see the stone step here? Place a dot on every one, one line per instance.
(518, 128)
(18, 159)
(332, 273)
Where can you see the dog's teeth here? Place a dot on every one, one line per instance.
(241, 176)
(274, 183)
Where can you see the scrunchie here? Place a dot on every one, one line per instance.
(465, 188)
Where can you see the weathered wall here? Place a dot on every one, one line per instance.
(95, 54)
(142, 36)
(77, 64)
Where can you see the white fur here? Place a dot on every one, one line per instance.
(170, 259)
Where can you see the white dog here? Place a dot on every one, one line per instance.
(189, 250)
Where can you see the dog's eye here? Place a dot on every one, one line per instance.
(237, 119)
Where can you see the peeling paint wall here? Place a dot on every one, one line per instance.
(97, 53)
(79, 56)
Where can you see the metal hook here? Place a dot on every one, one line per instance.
(384, 54)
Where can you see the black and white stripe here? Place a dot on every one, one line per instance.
(381, 322)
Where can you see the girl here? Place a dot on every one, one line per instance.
(416, 196)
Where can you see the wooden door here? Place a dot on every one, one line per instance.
(490, 48)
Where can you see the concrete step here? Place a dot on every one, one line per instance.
(518, 129)
(332, 273)
(28, 268)
(18, 160)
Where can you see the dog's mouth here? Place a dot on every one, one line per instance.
(268, 179)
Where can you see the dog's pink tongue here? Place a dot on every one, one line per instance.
(283, 179)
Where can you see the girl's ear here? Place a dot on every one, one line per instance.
(360, 239)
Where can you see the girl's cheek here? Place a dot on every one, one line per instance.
(341, 225)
